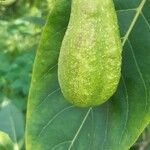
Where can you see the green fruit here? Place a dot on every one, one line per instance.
(90, 57)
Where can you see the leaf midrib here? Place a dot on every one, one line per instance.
(138, 12)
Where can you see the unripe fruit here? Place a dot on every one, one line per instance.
(90, 57)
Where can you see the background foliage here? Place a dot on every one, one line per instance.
(20, 29)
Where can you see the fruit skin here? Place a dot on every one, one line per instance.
(90, 57)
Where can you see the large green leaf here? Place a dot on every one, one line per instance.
(54, 124)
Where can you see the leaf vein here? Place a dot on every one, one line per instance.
(47, 97)
(44, 75)
(127, 109)
(145, 20)
(53, 118)
(123, 10)
(78, 131)
(139, 9)
(106, 129)
(141, 75)
(53, 148)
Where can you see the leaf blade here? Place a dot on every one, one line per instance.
(108, 130)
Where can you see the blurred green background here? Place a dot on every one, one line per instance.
(21, 23)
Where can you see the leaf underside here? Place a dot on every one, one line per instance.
(54, 124)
